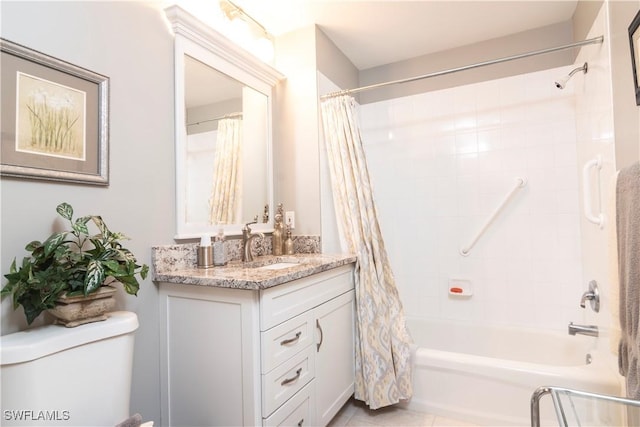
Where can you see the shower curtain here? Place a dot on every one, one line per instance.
(226, 192)
(383, 369)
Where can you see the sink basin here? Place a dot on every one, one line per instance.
(278, 266)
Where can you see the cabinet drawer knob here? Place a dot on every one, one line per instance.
(290, 380)
(291, 340)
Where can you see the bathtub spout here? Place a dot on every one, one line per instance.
(590, 330)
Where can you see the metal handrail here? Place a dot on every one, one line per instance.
(553, 391)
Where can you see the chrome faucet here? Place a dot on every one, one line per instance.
(592, 295)
(247, 237)
(590, 330)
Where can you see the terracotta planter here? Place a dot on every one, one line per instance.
(80, 309)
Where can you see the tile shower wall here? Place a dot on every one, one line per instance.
(442, 162)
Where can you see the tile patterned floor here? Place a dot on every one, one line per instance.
(356, 414)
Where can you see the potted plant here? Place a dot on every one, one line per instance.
(71, 263)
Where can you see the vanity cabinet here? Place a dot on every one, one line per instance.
(334, 375)
(277, 356)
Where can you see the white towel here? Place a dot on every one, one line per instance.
(628, 233)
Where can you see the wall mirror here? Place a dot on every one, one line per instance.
(223, 127)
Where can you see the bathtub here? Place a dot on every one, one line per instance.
(485, 375)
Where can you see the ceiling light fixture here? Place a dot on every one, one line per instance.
(233, 11)
(248, 32)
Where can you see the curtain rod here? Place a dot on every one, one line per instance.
(466, 67)
(215, 119)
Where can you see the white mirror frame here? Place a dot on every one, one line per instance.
(200, 41)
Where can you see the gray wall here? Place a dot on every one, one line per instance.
(106, 37)
(333, 63)
(527, 41)
(333, 68)
(295, 141)
(583, 17)
(299, 55)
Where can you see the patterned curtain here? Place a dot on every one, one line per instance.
(226, 192)
(383, 344)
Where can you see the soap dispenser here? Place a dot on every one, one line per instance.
(278, 231)
(219, 249)
(288, 243)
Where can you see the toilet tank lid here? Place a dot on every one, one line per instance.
(42, 341)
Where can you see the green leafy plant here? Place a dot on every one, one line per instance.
(72, 262)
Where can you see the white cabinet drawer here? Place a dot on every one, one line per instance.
(286, 339)
(285, 380)
(285, 301)
(298, 411)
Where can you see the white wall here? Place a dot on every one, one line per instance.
(200, 158)
(106, 37)
(596, 137)
(442, 161)
(255, 185)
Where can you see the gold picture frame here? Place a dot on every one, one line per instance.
(54, 120)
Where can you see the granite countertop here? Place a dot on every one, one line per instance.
(249, 275)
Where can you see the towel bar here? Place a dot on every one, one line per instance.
(568, 413)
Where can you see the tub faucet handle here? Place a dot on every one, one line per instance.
(592, 295)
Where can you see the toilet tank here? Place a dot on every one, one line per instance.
(58, 376)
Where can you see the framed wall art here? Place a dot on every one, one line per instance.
(55, 118)
(634, 42)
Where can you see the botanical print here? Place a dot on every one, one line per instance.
(50, 118)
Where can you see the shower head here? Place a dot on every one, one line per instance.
(561, 83)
